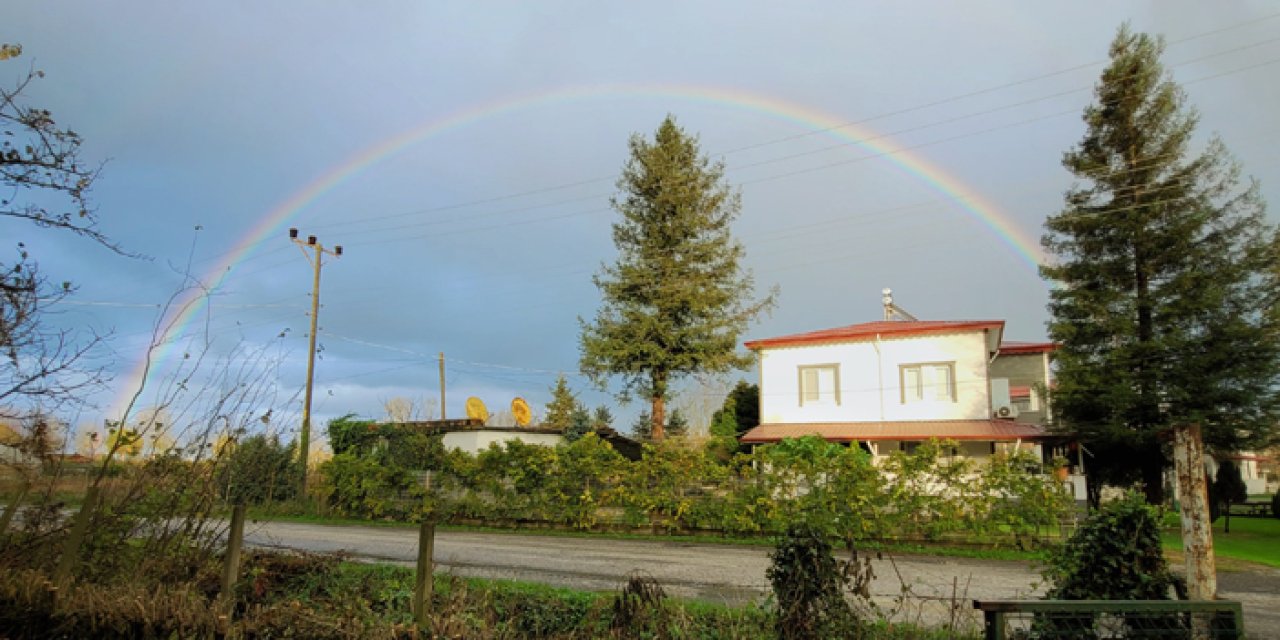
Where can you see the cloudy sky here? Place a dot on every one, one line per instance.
(463, 154)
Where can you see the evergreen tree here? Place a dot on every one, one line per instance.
(677, 424)
(579, 424)
(642, 429)
(562, 406)
(677, 299)
(1228, 489)
(739, 413)
(602, 418)
(1166, 275)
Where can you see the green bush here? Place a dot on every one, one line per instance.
(808, 587)
(1115, 555)
(259, 469)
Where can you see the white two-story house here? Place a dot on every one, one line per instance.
(889, 385)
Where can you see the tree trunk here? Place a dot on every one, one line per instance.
(1153, 478)
(659, 419)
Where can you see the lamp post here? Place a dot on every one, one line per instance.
(315, 253)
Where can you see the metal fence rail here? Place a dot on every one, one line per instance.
(1019, 619)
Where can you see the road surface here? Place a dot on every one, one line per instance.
(722, 573)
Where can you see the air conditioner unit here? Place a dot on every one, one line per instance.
(1007, 411)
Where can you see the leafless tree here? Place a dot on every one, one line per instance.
(44, 182)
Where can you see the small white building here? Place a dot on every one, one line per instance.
(477, 439)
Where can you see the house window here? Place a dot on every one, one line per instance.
(820, 384)
(930, 382)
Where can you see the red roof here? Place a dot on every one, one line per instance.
(883, 328)
(994, 430)
(1019, 348)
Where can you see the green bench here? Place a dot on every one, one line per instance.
(1051, 619)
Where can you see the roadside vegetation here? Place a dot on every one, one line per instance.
(925, 496)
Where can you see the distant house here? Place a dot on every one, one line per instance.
(10, 447)
(889, 385)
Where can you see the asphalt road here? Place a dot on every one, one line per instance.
(938, 590)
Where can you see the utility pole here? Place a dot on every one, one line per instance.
(442, 416)
(316, 258)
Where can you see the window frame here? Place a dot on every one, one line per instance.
(834, 367)
(920, 397)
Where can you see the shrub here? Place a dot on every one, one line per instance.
(808, 584)
(259, 469)
(1114, 555)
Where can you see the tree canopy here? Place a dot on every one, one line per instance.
(677, 299)
(1165, 276)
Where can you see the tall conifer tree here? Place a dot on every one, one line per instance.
(563, 405)
(677, 300)
(1166, 281)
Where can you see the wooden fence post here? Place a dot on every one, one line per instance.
(231, 563)
(71, 548)
(425, 577)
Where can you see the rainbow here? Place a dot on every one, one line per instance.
(269, 226)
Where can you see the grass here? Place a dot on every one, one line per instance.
(289, 595)
(1252, 540)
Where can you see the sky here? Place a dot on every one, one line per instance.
(464, 155)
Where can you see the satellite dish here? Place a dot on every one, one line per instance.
(520, 409)
(476, 409)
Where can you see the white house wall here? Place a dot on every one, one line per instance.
(870, 386)
(477, 441)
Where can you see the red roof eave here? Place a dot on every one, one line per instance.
(870, 330)
(1021, 348)
(981, 430)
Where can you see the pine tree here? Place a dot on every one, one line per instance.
(1166, 275)
(579, 424)
(642, 428)
(739, 413)
(562, 406)
(677, 299)
(1229, 488)
(602, 418)
(677, 424)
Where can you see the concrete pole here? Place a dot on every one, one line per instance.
(1193, 495)
(442, 415)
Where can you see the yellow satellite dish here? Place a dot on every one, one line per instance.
(476, 409)
(520, 409)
